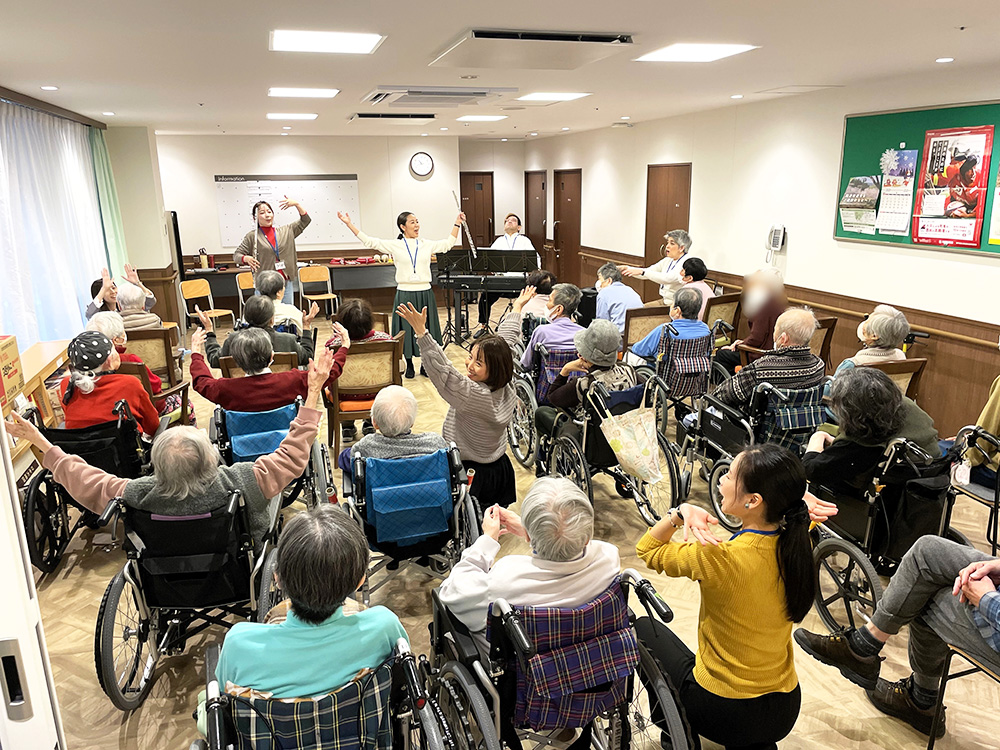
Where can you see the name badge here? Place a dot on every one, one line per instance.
(414, 277)
(279, 265)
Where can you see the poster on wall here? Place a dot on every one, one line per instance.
(899, 171)
(995, 217)
(857, 204)
(951, 200)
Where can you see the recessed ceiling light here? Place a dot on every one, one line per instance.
(695, 52)
(469, 78)
(939, 60)
(334, 42)
(282, 133)
(481, 118)
(286, 127)
(626, 117)
(442, 128)
(565, 128)
(504, 140)
(423, 135)
(50, 88)
(736, 96)
(550, 96)
(108, 114)
(291, 116)
(533, 134)
(304, 93)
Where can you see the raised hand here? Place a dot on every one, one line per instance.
(698, 523)
(132, 275)
(461, 217)
(344, 217)
(206, 322)
(107, 283)
(417, 320)
(307, 319)
(287, 203)
(198, 341)
(345, 337)
(522, 299)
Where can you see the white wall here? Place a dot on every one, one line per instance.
(776, 161)
(188, 164)
(140, 197)
(506, 162)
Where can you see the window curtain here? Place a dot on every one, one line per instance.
(111, 215)
(51, 237)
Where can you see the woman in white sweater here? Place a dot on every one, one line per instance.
(413, 274)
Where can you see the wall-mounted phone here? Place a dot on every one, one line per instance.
(775, 240)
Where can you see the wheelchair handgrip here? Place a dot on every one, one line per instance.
(651, 600)
(110, 511)
(234, 502)
(723, 325)
(670, 327)
(515, 631)
(414, 685)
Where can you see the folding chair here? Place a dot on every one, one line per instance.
(318, 275)
(194, 289)
(244, 282)
(991, 670)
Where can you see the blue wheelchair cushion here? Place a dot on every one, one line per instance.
(251, 447)
(409, 499)
(253, 434)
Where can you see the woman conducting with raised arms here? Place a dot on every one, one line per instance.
(272, 248)
(413, 274)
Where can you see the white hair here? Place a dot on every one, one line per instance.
(394, 411)
(888, 326)
(185, 463)
(798, 323)
(558, 517)
(130, 297)
(108, 323)
(768, 276)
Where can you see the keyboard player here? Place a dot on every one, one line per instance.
(511, 239)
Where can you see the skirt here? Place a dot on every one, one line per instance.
(419, 300)
(494, 483)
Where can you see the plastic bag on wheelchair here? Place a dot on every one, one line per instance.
(631, 432)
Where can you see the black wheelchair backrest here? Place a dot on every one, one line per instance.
(114, 447)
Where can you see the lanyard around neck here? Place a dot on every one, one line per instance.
(414, 254)
(274, 247)
(511, 240)
(673, 263)
(754, 531)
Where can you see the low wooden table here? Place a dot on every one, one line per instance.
(38, 362)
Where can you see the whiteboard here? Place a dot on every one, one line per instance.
(322, 195)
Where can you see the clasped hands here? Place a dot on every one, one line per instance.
(498, 521)
(976, 580)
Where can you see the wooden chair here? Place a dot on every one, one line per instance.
(641, 321)
(726, 307)
(369, 368)
(195, 289)
(990, 669)
(905, 373)
(244, 282)
(821, 340)
(382, 322)
(283, 361)
(177, 416)
(155, 347)
(318, 275)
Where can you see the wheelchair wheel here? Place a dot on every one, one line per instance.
(423, 729)
(270, 594)
(717, 376)
(521, 432)
(654, 501)
(464, 709)
(46, 522)
(125, 658)
(956, 536)
(566, 460)
(848, 588)
(719, 470)
(321, 475)
(654, 715)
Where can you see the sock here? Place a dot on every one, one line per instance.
(863, 643)
(923, 698)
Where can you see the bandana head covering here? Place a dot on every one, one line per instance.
(89, 351)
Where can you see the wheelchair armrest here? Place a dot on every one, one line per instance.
(515, 630)
(465, 645)
(348, 485)
(726, 409)
(455, 464)
(111, 511)
(211, 662)
(234, 502)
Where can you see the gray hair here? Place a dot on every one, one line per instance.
(688, 300)
(108, 323)
(394, 411)
(886, 324)
(130, 297)
(567, 295)
(558, 517)
(768, 276)
(681, 237)
(259, 311)
(252, 349)
(269, 283)
(799, 323)
(609, 271)
(868, 405)
(185, 463)
(322, 557)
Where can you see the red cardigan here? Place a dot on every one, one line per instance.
(97, 407)
(256, 392)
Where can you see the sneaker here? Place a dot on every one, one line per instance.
(367, 428)
(894, 698)
(409, 370)
(348, 432)
(835, 651)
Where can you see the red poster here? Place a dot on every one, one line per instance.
(951, 199)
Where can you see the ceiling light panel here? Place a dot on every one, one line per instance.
(700, 53)
(292, 115)
(332, 42)
(303, 93)
(550, 96)
(481, 118)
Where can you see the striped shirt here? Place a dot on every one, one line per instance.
(791, 368)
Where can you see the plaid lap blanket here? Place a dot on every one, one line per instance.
(551, 363)
(684, 364)
(355, 717)
(790, 423)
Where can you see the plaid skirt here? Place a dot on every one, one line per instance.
(419, 300)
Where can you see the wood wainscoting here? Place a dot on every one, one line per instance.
(962, 356)
(591, 258)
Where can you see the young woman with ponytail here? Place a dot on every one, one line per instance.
(740, 690)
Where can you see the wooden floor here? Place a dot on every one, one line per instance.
(834, 712)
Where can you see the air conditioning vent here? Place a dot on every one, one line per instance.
(433, 96)
(394, 118)
(507, 49)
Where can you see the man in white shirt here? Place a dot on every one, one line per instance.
(511, 239)
(669, 271)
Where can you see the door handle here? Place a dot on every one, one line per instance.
(490, 220)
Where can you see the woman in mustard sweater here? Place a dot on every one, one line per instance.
(740, 690)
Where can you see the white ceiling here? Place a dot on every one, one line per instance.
(204, 66)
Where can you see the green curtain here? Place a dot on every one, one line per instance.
(111, 215)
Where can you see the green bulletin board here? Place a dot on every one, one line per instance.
(867, 136)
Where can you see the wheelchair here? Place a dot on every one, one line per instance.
(183, 574)
(577, 448)
(115, 447)
(908, 495)
(550, 669)
(363, 715)
(719, 431)
(976, 439)
(413, 511)
(246, 436)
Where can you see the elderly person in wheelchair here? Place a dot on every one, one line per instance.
(558, 333)
(287, 318)
(684, 314)
(566, 568)
(187, 477)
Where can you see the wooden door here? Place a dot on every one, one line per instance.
(535, 209)
(668, 206)
(566, 227)
(477, 203)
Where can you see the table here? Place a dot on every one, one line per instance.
(38, 362)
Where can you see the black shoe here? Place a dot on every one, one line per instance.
(894, 698)
(423, 371)
(348, 432)
(480, 332)
(836, 651)
(409, 370)
(367, 428)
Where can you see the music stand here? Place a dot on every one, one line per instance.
(460, 261)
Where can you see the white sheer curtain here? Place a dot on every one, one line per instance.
(51, 240)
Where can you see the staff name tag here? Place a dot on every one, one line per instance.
(279, 266)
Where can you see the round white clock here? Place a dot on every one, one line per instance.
(421, 164)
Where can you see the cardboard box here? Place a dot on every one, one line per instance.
(11, 373)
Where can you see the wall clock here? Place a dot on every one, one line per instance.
(421, 164)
